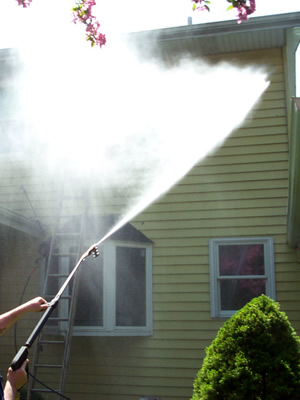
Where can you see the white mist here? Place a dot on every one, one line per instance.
(105, 117)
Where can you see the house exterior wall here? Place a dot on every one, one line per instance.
(239, 191)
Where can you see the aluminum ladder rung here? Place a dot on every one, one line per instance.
(44, 341)
(64, 254)
(51, 296)
(67, 234)
(58, 319)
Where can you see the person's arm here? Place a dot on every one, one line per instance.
(14, 381)
(11, 317)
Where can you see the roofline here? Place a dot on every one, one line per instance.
(268, 22)
(19, 222)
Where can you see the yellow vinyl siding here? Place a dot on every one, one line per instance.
(240, 190)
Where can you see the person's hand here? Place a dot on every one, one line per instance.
(35, 305)
(17, 379)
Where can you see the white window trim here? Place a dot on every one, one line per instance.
(214, 244)
(109, 302)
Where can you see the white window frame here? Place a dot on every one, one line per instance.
(109, 299)
(215, 278)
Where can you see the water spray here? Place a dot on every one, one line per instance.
(23, 352)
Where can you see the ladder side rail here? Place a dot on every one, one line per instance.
(72, 311)
(38, 345)
(52, 242)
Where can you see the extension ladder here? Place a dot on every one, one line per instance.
(64, 250)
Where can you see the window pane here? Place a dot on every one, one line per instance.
(246, 259)
(130, 286)
(235, 293)
(89, 308)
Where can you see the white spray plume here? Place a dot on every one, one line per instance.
(106, 116)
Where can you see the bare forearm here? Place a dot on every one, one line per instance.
(14, 381)
(10, 392)
(11, 317)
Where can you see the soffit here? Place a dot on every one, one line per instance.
(219, 37)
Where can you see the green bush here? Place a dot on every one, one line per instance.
(255, 356)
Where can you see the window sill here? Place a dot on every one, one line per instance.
(90, 331)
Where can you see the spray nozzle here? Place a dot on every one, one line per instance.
(93, 250)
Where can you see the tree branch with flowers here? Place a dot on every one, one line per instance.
(244, 7)
(83, 13)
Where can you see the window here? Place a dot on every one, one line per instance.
(240, 269)
(113, 294)
(115, 291)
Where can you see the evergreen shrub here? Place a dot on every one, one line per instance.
(255, 356)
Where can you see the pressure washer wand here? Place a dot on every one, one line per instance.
(22, 354)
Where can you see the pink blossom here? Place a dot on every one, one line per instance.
(100, 39)
(24, 3)
(252, 6)
(202, 8)
(245, 10)
(202, 5)
(242, 14)
(244, 7)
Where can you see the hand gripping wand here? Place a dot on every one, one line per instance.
(22, 354)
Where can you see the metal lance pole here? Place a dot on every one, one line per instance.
(22, 354)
